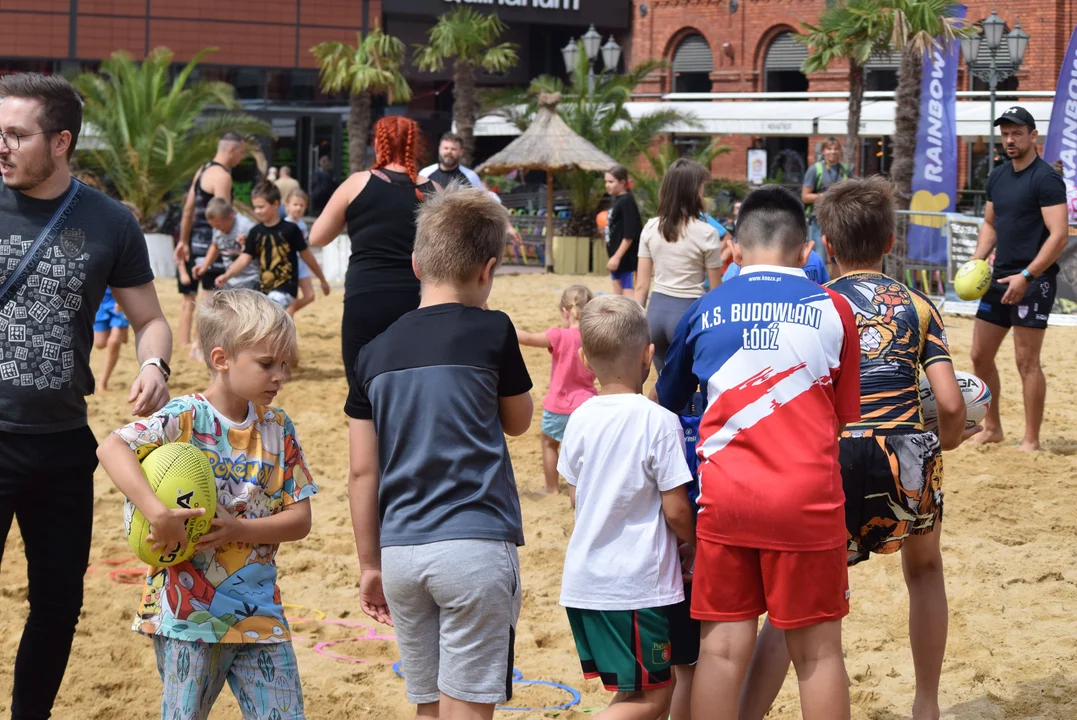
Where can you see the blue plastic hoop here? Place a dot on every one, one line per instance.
(517, 678)
(563, 706)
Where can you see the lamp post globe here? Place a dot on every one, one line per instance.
(591, 42)
(970, 48)
(1017, 39)
(571, 54)
(611, 54)
(993, 27)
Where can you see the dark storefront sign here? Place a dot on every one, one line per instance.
(613, 14)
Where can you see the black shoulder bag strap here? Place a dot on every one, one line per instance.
(44, 239)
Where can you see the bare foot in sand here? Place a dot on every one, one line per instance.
(988, 435)
(1030, 446)
(926, 711)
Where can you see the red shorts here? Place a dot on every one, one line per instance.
(795, 589)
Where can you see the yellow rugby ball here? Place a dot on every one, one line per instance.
(972, 280)
(181, 476)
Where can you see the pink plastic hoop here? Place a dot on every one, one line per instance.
(114, 562)
(322, 648)
(128, 576)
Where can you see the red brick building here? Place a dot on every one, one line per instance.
(743, 46)
(712, 46)
(263, 49)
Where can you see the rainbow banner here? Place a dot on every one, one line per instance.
(934, 179)
(1062, 133)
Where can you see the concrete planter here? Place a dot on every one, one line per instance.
(160, 247)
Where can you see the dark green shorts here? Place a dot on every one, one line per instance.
(628, 649)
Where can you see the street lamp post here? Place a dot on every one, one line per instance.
(592, 45)
(992, 35)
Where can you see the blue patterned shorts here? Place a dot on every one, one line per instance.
(263, 677)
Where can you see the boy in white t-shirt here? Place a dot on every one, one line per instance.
(623, 458)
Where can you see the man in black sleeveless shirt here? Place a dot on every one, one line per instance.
(1025, 224)
(214, 179)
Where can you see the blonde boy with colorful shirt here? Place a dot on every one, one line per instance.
(218, 616)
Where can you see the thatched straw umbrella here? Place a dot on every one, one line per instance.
(551, 145)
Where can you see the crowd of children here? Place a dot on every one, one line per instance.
(806, 454)
(275, 263)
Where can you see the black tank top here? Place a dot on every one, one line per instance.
(201, 230)
(381, 225)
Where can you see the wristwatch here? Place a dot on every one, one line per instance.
(1027, 275)
(160, 364)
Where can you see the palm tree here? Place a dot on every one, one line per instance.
(153, 133)
(468, 38)
(367, 69)
(647, 183)
(916, 27)
(599, 116)
(850, 31)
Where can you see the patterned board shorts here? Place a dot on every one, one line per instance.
(893, 489)
(263, 677)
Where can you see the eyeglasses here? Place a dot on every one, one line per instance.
(14, 140)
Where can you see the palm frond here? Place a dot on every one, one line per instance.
(154, 133)
(372, 65)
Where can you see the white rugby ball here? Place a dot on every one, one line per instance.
(973, 389)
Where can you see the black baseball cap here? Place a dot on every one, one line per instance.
(1018, 116)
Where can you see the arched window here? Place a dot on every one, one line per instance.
(693, 63)
(781, 66)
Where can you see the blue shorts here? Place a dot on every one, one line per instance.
(553, 425)
(108, 317)
(304, 271)
(624, 277)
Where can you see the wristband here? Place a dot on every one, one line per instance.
(1028, 275)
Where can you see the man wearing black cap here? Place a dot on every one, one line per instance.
(1025, 224)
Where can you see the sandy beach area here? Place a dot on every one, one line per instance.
(1008, 543)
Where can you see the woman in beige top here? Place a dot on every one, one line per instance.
(680, 250)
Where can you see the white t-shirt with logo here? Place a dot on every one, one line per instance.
(621, 452)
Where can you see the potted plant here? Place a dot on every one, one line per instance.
(146, 134)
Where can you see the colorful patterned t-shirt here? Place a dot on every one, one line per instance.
(901, 331)
(227, 594)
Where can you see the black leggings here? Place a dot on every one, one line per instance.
(47, 484)
(366, 316)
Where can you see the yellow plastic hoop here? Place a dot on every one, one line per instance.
(315, 614)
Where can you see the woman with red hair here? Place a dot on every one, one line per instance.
(378, 208)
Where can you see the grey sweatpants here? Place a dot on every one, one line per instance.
(663, 314)
(455, 605)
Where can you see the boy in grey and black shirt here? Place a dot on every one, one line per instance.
(433, 498)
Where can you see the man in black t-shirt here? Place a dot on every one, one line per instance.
(1025, 224)
(448, 168)
(61, 246)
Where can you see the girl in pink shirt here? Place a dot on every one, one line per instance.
(571, 384)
